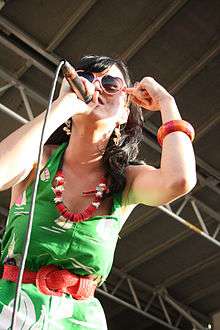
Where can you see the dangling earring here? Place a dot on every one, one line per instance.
(117, 132)
(67, 128)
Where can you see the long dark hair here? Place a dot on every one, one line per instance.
(116, 157)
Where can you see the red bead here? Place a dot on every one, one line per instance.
(58, 193)
(61, 207)
(86, 215)
(63, 212)
(60, 183)
(85, 193)
(66, 214)
(59, 173)
(58, 206)
(77, 217)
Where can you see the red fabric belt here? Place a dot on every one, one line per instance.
(53, 281)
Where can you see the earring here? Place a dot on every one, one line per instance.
(117, 134)
(67, 128)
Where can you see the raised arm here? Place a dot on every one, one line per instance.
(19, 151)
(177, 173)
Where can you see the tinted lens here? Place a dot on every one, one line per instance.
(88, 75)
(112, 84)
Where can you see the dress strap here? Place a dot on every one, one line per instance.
(55, 161)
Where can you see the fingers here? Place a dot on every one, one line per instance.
(130, 90)
(136, 101)
(148, 105)
(65, 88)
(137, 91)
(141, 94)
(82, 89)
(89, 87)
(90, 90)
(95, 97)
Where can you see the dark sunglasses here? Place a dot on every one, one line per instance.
(110, 85)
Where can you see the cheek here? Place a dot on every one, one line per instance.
(117, 100)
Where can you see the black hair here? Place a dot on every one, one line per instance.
(116, 157)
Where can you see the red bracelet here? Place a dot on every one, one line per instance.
(173, 126)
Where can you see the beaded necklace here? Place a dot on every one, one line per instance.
(90, 209)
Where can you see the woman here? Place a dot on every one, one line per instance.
(88, 187)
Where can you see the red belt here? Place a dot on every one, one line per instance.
(53, 281)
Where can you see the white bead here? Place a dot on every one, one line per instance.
(58, 199)
(59, 188)
(96, 204)
(58, 178)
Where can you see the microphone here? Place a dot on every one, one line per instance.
(74, 81)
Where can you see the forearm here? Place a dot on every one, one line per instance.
(18, 152)
(177, 159)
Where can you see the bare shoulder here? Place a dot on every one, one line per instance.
(28, 178)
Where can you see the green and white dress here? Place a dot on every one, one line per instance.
(83, 248)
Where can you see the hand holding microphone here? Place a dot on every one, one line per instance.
(75, 82)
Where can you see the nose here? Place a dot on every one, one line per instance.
(97, 84)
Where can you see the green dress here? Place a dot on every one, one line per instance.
(83, 248)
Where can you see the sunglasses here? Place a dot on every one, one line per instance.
(110, 85)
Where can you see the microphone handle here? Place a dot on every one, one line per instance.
(74, 81)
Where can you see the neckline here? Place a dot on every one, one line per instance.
(116, 197)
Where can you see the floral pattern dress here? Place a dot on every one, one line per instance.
(83, 248)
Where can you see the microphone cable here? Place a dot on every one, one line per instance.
(32, 206)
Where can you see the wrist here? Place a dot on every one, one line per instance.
(70, 105)
(66, 99)
(166, 99)
(169, 110)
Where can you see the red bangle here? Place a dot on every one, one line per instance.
(173, 126)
